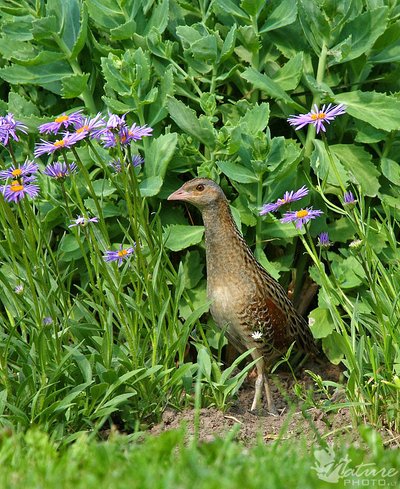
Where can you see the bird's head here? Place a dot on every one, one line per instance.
(201, 192)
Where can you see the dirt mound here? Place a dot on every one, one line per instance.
(293, 420)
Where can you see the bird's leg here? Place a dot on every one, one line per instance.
(261, 382)
(270, 403)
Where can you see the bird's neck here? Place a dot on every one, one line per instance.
(226, 249)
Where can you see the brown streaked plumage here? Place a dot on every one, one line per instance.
(245, 298)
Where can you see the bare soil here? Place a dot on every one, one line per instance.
(294, 420)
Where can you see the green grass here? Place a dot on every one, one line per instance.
(85, 344)
(33, 461)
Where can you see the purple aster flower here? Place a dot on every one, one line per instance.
(286, 199)
(17, 190)
(301, 217)
(47, 321)
(120, 255)
(317, 117)
(83, 221)
(50, 147)
(134, 133)
(109, 139)
(8, 127)
(59, 170)
(90, 125)
(348, 198)
(28, 168)
(323, 240)
(116, 165)
(115, 122)
(62, 121)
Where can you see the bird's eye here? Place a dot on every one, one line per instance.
(200, 187)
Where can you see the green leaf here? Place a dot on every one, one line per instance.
(288, 77)
(187, 120)
(68, 15)
(124, 31)
(204, 362)
(387, 47)
(159, 18)
(106, 13)
(391, 170)
(82, 34)
(364, 30)
(359, 167)
(228, 45)
(256, 117)
(178, 237)
(48, 75)
(69, 248)
(269, 86)
(284, 13)
(252, 7)
(236, 172)
(74, 85)
(321, 323)
(326, 169)
(160, 153)
(150, 186)
(103, 188)
(230, 7)
(380, 110)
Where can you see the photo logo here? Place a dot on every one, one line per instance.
(331, 469)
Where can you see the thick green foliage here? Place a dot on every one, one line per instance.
(216, 80)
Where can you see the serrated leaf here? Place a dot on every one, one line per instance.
(68, 15)
(256, 117)
(187, 120)
(82, 34)
(159, 18)
(124, 31)
(269, 86)
(229, 44)
(178, 236)
(283, 13)
(237, 172)
(380, 110)
(230, 7)
(288, 77)
(105, 13)
(74, 85)
(48, 76)
(114, 78)
(364, 30)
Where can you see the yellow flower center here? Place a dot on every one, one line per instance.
(83, 128)
(16, 173)
(281, 201)
(60, 142)
(122, 252)
(16, 186)
(320, 115)
(302, 213)
(61, 118)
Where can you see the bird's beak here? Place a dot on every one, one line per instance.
(179, 194)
